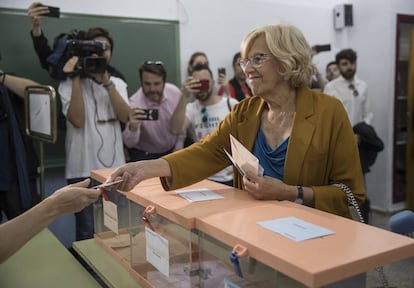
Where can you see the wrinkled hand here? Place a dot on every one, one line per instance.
(129, 173)
(264, 188)
(74, 197)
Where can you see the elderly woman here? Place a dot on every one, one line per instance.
(302, 138)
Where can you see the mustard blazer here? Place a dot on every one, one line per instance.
(322, 150)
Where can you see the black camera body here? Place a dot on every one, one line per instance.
(75, 43)
(87, 50)
(323, 48)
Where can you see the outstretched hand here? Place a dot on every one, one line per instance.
(135, 172)
(129, 173)
(73, 198)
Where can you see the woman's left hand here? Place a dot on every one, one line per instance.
(265, 187)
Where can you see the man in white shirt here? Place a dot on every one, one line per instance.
(205, 114)
(352, 91)
(94, 103)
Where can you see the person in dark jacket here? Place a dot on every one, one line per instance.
(18, 159)
(369, 145)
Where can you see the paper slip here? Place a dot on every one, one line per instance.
(110, 211)
(244, 158)
(202, 194)
(295, 228)
(157, 251)
(234, 163)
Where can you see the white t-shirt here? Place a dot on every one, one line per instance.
(357, 107)
(99, 143)
(216, 113)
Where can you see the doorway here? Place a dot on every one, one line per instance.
(403, 158)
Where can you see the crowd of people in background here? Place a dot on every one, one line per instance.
(107, 128)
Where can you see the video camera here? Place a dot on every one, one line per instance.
(74, 43)
(84, 49)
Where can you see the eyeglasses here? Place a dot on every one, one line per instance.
(354, 90)
(256, 60)
(205, 115)
(154, 63)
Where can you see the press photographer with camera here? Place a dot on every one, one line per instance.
(53, 59)
(148, 134)
(94, 103)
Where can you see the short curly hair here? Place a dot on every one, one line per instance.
(289, 47)
(347, 54)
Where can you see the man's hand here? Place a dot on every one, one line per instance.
(103, 78)
(70, 65)
(136, 115)
(191, 85)
(35, 12)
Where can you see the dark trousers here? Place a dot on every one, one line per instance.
(84, 219)
(136, 155)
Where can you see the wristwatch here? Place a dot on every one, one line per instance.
(299, 197)
(2, 76)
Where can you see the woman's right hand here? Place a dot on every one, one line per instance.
(130, 174)
(135, 172)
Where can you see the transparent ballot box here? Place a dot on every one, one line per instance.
(111, 223)
(111, 220)
(263, 239)
(163, 253)
(164, 239)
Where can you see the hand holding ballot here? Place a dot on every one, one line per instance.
(243, 159)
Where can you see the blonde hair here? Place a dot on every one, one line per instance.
(289, 47)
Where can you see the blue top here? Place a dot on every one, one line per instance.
(272, 161)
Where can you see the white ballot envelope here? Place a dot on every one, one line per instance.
(244, 159)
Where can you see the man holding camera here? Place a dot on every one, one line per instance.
(148, 133)
(94, 103)
(50, 58)
(204, 114)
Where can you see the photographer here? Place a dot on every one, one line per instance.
(36, 12)
(148, 134)
(94, 103)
